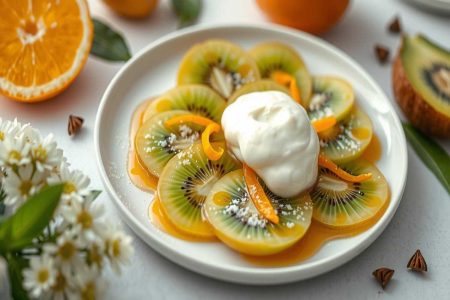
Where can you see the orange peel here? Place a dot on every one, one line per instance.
(286, 79)
(258, 196)
(324, 123)
(327, 163)
(211, 153)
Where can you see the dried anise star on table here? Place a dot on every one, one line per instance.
(395, 26)
(382, 53)
(383, 276)
(75, 124)
(417, 262)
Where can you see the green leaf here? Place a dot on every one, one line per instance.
(16, 264)
(187, 11)
(108, 44)
(31, 218)
(95, 194)
(431, 153)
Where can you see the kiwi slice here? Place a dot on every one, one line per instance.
(274, 56)
(331, 96)
(348, 139)
(258, 86)
(195, 98)
(239, 225)
(338, 203)
(156, 144)
(421, 81)
(185, 183)
(219, 64)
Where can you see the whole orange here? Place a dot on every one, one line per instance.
(314, 16)
(134, 9)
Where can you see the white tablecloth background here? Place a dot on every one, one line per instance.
(422, 220)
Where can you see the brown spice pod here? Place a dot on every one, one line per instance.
(75, 124)
(382, 53)
(395, 26)
(417, 262)
(383, 275)
(417, 110)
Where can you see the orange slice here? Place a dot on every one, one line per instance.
(286, 79)
(324, 124)
(43, 46)
(258, 196)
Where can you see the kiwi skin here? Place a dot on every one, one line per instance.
(417, 110)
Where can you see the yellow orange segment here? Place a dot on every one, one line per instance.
(258, 196)
(327, 163)
(202, 121)
(44, 46)
(211, 153)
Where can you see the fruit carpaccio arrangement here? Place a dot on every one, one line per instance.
(203, 191)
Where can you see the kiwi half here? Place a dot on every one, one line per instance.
(347, 139)
(156, 144)
(274, 56)
(239, 225)
(184, 184)
(331, 96)
(421, 83)
(338, 203)
(195, 98)
(219, 64)
(258, 86)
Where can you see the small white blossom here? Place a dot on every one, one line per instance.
(14, 151)
(86, 219)
(88, 283)
(40, 276)
(118, 248)
(21, 185)
(76, 184)
(62, 289)
(65, 251)
(45, 154)
(10, 128)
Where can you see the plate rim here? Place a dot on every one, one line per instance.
(235, 273)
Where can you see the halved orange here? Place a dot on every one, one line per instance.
(43, 46)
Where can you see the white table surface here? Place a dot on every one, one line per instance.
(421, 222)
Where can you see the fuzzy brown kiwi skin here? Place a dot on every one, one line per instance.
(417, 110)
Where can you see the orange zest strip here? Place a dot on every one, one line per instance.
(286, 79)
(189, 118)
(209, 150)
(326, 163)
(258, 196)
(324, 124)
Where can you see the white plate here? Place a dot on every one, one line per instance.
(153, 71)
(439, 6)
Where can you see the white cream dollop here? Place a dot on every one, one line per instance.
(272, 134)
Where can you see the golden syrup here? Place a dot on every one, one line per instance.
(316, 236)
(160, 220)
(138, 174)
(373, 151)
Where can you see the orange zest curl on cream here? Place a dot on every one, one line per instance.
(258, 196)
(327, 163)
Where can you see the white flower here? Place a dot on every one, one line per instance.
(118, 248)
(14, 151)
(86, 219)
(45, 153)
(62, 289)
(21, 185)
(88, 283)
(40, 276)
(65, 251)
(9, 128)
(76, 184)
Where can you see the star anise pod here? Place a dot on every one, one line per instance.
(395, 26)
(75, 124)
(417, 262)
(382, 53)
(383, 275)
